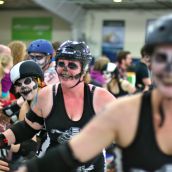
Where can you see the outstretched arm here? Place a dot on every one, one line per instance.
(99, 133)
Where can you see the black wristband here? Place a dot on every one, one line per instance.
(28, 147)
(11, 110)
(59, 158)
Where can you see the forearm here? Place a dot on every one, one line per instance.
(92, 139)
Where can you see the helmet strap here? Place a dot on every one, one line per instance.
(78, 76)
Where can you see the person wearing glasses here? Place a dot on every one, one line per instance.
(139, 124)
(64, 108)
(41, 51)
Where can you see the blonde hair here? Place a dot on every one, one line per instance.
(100, 63)
(18, 51)
(87, 78)
(5, 60)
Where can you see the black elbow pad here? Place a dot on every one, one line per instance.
(12, 109)
(33, 117)
(23, 131)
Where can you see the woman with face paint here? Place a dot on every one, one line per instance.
(64, 108)
(140, 124)
(27, 77)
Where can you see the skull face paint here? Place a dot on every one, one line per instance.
(162, 69)
(27, 87)
(41, 59)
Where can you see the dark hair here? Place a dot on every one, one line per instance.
(146, 51)
(56, 45)
(122, 55)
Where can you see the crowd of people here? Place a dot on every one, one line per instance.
(59, 112)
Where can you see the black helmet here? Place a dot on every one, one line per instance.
(25, 69)
(160, 31)
(73, 50)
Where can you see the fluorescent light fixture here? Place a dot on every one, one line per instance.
(117, 0)
(1, 2)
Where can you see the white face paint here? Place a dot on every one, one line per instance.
(27, 87)
(66, 71)
(41, 59)
(162, 69)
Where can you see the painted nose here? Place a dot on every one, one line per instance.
(65, 68)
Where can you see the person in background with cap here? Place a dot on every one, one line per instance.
(26, 77)
(139, 124)
(64, 108)
(41, 51)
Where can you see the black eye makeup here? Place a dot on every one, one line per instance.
(27, 81)
(161, 57)
(37, 57)
(70, 65)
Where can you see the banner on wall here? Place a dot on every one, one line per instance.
(30, 28)
(112, 38)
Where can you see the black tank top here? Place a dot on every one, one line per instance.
(144, 153)
(61, 128)
(121, 91)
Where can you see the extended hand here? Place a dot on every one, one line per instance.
(4, 166)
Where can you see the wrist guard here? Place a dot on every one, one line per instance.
(3, 141)
(12, 109)
(28, 148)
(60, 158)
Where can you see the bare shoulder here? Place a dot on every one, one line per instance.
(43, 92)
(102, 93)
(43, 99)
(101, 98)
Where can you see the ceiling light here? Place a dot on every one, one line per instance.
(1, 2)
(117, 0)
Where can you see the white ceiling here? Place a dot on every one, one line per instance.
(92, 4)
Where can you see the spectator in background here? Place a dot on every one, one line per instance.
(124, 60)
(18, 51)
(96, 73)
(116, 85)
(55, 45)
(5, 81)
(143, 79)
(5, 50)
(6, 63)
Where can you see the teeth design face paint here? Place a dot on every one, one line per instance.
(67, 71)
(162, 70)
(27, 87)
